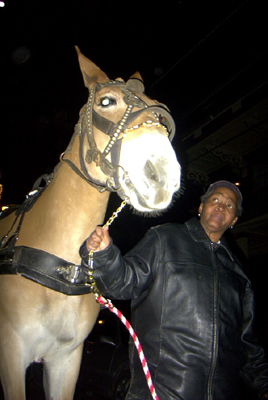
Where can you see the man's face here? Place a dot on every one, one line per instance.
(218, 212)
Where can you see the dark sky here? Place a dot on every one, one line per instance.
(186, 51)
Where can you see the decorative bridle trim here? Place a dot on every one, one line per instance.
(147, 124)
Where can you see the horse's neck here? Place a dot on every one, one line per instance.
(64, 215)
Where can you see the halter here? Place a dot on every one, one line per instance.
(90, 118)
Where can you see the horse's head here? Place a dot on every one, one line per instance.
(125, 141)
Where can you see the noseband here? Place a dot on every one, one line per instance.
(89, 118)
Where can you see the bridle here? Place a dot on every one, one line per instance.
(89, 118)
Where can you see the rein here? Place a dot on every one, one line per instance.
(108, 304)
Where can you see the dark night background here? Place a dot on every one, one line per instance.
(186, 52)
(196, 57)
(200, 58)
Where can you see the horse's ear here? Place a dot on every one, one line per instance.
(135, 83)
(137, 75)
(91, 73)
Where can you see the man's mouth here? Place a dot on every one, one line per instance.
(217, 216)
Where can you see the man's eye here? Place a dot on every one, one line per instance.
(230, 206)
(216, 199)
(107, 101)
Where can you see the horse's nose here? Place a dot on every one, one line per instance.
(151, 172)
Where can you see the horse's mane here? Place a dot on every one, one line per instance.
(77, 131)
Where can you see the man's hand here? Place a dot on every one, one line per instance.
(99, 239)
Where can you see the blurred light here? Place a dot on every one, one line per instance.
(158, 71)
(4, 208)
(2, 4)
(237, 183)
(20, 55)
(100, 321)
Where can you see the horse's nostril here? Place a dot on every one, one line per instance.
(150, 171)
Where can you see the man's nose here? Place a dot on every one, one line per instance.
(221, 207)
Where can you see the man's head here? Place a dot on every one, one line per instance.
(228, 185)
(219, 208)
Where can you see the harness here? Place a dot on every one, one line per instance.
(45, 268)
(90, 118)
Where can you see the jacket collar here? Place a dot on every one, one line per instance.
(198, 234)
(196, 230)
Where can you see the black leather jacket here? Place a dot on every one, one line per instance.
(192, 309)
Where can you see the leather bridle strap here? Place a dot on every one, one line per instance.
(99, 186)
(108, 127)
(167, 122)
(103, 124)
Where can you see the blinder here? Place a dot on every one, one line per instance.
(108, 127)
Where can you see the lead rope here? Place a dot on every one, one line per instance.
(108, 304)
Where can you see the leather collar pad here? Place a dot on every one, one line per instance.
(45, 269)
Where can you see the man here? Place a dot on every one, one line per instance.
(191, 302)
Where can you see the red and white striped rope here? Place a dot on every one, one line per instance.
(108, 304)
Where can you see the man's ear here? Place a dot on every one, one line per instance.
(234, 221)
(200, 208)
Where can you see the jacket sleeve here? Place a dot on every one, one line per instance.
(255, 372)
(127, 277)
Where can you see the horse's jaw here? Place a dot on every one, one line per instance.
(149, 179)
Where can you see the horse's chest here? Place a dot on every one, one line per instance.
(71, 319)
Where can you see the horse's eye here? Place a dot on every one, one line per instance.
(107, 101)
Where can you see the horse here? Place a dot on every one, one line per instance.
(121, 143)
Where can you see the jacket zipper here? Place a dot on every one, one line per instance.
(215, 326)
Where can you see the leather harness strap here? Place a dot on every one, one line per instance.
(45, 269)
